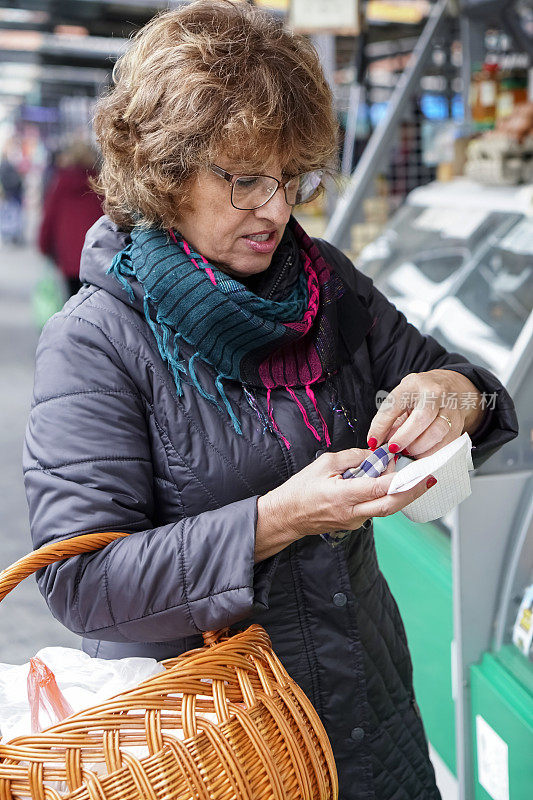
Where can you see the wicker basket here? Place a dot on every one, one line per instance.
(223, 722)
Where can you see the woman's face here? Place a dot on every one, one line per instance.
(224, 234)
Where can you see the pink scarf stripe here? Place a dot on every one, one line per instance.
(187, 249)
(208, 270)
(313, 291)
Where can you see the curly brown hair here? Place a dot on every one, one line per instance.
(212, 77)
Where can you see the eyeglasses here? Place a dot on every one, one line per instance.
(253, 191)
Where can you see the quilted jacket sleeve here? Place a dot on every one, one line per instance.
(88, 467)
(397, 348)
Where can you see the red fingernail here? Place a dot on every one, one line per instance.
(372, 442)
(393, 447)
(405, 452)
(396, 457)
(431, 481)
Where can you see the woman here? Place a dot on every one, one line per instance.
(70, 208)
(208, 387)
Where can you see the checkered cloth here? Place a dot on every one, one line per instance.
(371, 467)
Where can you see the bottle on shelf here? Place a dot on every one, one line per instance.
(513, 91)
(484, 96)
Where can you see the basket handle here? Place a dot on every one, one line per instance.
(49, 553)
(58, 551)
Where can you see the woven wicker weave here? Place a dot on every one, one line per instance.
(224, 722)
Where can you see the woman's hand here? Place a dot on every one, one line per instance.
(319, 500)
(410, 416)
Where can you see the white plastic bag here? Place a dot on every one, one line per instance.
(82, 680)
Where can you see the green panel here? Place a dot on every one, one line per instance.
(416, 561)
(507, 706)
(520, 667)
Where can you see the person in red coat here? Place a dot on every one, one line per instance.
(70, 208)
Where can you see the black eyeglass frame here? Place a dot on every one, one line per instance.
(232, 179)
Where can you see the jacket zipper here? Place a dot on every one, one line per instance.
(281, 274)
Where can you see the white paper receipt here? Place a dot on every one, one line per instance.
(450, 465)
(492, 760)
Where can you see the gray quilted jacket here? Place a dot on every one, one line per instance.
(110, 446)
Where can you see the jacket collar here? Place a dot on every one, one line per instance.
(102, 242)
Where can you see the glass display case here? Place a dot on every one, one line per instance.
(457, 260)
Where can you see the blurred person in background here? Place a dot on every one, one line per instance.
(53, 163)
(217, 374)
(11, 199)
(70, 208)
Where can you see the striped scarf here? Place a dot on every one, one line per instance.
(289, 343)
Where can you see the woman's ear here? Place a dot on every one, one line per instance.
(182, 201)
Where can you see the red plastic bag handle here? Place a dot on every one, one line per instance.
(44, 693)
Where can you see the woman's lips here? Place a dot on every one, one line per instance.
(262, 245)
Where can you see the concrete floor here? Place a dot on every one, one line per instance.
(26, 624)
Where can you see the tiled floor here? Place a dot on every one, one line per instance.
(446, 781)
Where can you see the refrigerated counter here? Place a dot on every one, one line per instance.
(457, 259)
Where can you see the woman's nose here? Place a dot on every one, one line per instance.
(277, 210)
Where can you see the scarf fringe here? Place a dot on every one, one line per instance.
(252, 402)
(120, 267)
(274, 423)
(192, 373)
(212, 398)
(304, 414)
(222, 393)
(162, 338)
(311, 396)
